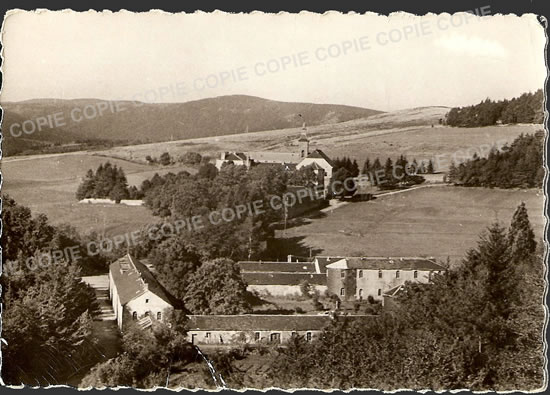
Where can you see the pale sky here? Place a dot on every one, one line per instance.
(159, 57)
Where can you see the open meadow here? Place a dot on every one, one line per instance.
(439, 221)
(415, 133)
(47, 184)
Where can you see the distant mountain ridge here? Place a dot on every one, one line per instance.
(131, 122)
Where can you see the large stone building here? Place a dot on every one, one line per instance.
(136, 294)
(358, 278)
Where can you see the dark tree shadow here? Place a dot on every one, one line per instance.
(278, 249)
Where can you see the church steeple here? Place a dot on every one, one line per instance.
(303, 142)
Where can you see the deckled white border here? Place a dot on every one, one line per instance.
(397, 13)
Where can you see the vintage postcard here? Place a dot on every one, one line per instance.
(252, 201)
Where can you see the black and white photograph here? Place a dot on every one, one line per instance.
(254, 200)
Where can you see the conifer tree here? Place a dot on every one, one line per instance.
(366, 166)
(521, 236)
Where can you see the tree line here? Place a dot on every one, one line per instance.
(527, 108)
(107, 182)
(516, 166)
(391, 175)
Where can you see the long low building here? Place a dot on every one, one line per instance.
(283, 283)
(224, 330)
(286, 267)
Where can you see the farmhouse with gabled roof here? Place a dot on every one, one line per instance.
(136, 294)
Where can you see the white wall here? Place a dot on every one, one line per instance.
(115, 301)
(370, 283)
(282, 290)
(149, 302)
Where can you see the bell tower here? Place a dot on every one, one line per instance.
(303, 143)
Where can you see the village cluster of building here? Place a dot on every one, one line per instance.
(317, 159)
(137, 296)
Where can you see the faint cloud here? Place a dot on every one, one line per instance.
(474, 46)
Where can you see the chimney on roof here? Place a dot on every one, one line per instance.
(289, 258)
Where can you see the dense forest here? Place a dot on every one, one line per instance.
(47, 310)
(519, 165)
(527, 108)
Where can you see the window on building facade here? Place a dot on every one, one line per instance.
(257, 336)
(379, 273)
(146, 300)
(159, 316)
(397, 274)
(207, 335)
(415, 274)
(342, 291)
(275, 337)
(379, 292)
(308, 336)
(147, 314)
(134, 315)
(360, 273)
(342, 274)
(360, 293)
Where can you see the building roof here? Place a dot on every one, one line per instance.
(278, 278)
(274, 157)
(386, 263)
(290, 267)
(132, 279)
(257, 322)
(324, 261)
(318, 154)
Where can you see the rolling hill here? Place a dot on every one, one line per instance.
(132, 122)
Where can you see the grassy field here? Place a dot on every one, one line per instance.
(408, 132)
(48, 185)
(436, 221)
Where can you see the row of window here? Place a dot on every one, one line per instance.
(273, 337)
(360, 274)
(343, 292)
(135, 315)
